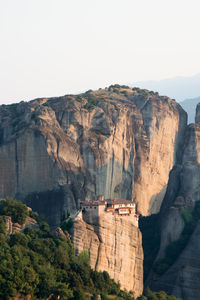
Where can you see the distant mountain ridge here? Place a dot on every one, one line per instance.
(179, 88)
(189, 105)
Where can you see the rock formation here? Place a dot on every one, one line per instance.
(119, 142)
(182, 278)
(15, 227)
(114, 244)
(197, 117)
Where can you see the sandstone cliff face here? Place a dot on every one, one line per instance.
(182, 278)
(115, 245)
(118, 142)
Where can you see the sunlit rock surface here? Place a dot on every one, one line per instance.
(115, 245)
(119, 142)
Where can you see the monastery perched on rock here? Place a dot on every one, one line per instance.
(108, 230)
(114, 206)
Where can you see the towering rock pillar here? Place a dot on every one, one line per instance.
(115, 245)
(183, 193)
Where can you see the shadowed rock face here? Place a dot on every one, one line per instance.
(197, 117)
(118, 142)
(182, 278)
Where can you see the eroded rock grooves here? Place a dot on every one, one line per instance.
(119, 142)
(115, 245)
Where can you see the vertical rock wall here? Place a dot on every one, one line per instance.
(123, 146)
(182, 278)
(114, 245)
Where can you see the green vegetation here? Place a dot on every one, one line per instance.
(150, 240)
(91, 101)
(157, 295)
(117, 86)
(175, 248)
(67, 225)
(16, 210)
(145, 92)
(79, 98)
(114, 86)
(125, 93)
(45, 104)
(37, 263)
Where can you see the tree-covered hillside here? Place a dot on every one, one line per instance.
(36, 263)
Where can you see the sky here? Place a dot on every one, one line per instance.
(56, 47)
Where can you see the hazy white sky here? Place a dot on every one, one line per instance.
(55, 47)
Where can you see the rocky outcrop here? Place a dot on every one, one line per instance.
(15, 227)
(114, 245)
(119, 142)
(182, 278)
(59, 232)
(197, 117)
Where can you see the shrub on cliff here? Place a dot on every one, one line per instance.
(15, 209)
(92, 101)
(67, 225)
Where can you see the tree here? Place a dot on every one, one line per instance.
(15, 209)
(79, 295)
(2, 226)
(84, 258)
(63, 291)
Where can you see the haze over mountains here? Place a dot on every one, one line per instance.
(189, 105)
(179, 88)
(185, 90)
